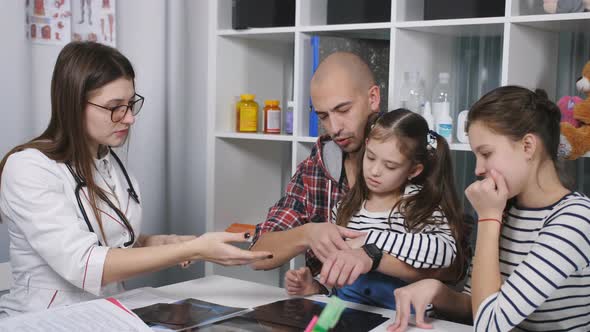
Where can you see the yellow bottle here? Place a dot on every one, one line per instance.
(247, 114)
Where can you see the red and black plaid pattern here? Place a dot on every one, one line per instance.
(306, 200)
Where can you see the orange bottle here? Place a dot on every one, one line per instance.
(272, 117)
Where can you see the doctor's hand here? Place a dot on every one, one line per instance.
(325, 238)
(162, 239)
(215, 247)
(344, 267)
(488, 196)
(417, 295)
(300, 282)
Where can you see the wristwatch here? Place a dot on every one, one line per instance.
(374, 253)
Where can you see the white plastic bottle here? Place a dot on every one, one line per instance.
(461, 121)
(404, 91)
(441, 95)
(444, 123)
(427, 114)
(416, 93)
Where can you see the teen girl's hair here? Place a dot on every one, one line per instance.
(515, 111)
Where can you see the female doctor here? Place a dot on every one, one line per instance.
(73, 211)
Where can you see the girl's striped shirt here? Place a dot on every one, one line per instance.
(433, 247)
(544, 262)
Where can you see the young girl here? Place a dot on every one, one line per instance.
(405, 200)
(531, 266)
(73, 212)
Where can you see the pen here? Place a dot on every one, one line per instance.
(311, 324)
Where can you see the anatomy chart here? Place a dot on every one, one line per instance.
(94, 20)
(48, 21)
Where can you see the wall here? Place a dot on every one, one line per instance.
(165, 41)
(16, 114)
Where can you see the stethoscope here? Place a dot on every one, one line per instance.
(80, 183)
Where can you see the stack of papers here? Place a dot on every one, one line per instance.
(92, 316)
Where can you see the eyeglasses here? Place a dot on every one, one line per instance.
(119, 112)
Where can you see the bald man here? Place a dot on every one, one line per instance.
(344, 94)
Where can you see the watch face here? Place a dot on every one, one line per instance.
(372, 250)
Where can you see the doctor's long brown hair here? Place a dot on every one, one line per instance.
(436, 179)
(81, 68)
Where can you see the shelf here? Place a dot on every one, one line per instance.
(373, 46)
(461, 50)
(525, 47)
(272, 34)
(450, 22)
(256, 136)
(457, 28)
(257, 65)
(226, 9)
(550, 17)
(315, 12)
(346, 27)
(250, 176)
(414, 10)
(578, 22)
(306, 139)
(377, 31)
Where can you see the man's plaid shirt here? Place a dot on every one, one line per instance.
(306, 199)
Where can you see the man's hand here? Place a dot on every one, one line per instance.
(344, 267)
(356, 243)
(325, 239)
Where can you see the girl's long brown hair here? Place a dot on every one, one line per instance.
(81, 68)
(438, 186)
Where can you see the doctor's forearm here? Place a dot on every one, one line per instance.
(284, 245)
(160, 239)
(121, 264)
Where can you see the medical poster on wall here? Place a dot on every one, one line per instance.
(94, 20)
(48, 21)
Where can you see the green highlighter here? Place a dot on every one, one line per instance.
(330, 315)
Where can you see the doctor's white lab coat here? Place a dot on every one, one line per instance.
(55, 259)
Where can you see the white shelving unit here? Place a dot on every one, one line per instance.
(247, 173)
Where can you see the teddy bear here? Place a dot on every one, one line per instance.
(575, 142)
(566, 106)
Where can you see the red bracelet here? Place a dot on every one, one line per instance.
(490, 219)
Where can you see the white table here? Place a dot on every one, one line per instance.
(245, 294)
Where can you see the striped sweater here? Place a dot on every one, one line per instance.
(433, 247)
(544, 262)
